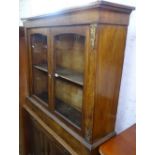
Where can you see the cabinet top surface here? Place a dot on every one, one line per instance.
(94, 5)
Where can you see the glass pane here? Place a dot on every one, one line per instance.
(39, 66)
(69, 100)
(69, 49)
(39, 51)
(69, 68)
(40, 84)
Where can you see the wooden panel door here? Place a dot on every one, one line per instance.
(40, 143)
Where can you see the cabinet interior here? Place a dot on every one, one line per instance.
(69, 70)
(39, 66)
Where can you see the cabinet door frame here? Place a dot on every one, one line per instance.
(45, 32)
(79, 30)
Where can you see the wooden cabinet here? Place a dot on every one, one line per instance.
(75, 60)
(39, 141)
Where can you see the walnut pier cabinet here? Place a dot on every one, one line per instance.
(74, 61)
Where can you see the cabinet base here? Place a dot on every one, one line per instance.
(73, 144)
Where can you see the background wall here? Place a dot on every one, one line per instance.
(126, 113)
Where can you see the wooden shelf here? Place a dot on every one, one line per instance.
(70, 76)
(41, 67)
(68, 112)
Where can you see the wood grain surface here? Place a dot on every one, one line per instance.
(122, 144)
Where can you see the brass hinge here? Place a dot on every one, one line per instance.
(93, 34)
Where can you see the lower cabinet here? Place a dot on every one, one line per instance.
(40, 143)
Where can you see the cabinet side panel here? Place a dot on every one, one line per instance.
(110, 56)
(22, 67)
(23, 89)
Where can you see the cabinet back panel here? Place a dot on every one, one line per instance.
(70, 94)
(69, 49)
(40, 82)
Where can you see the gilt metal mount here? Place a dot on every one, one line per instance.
(93, 34)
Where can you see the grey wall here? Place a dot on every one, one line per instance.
(126, 113)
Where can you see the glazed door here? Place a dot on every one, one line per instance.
(38, 64)
(69, 54)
